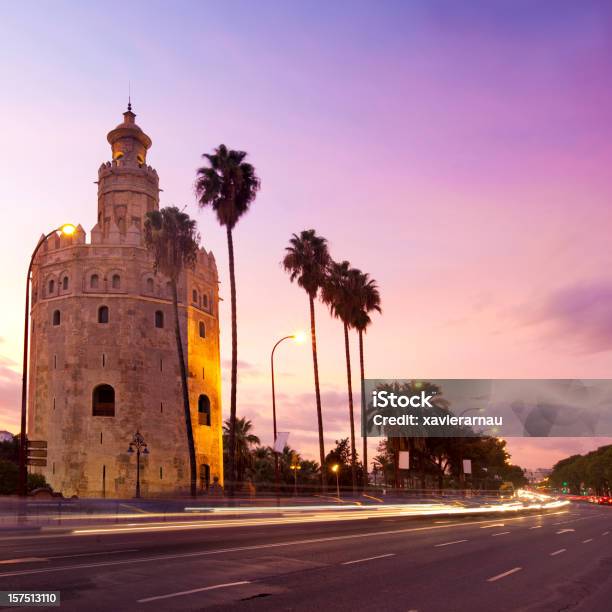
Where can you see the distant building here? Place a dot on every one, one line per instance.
(537, 475)
(6, 436)
(103, 358)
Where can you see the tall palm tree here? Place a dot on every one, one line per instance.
(228, 185)
(339, 293)
(245, 439)
(306, 260)
(368, 301)
(171, 237)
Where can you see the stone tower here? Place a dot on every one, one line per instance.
(103, 360)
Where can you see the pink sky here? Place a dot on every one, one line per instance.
(460, 156)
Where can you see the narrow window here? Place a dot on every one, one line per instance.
(116, 282)
(65, 283)
(150, 285)
(161, 473)
(161, 364)
(204, 410)
(202, 373)
(51, 286)
(205, 301)
(194, 296)
(202, 330)
(94, 281)
(103, 402)
(53, 403)
(103, 314)
(161, 407)
(159, 319)
(57, 317)
(103, 360)
(55, 362)
(100, 437)
(54, 467)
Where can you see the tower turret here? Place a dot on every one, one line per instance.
(127, 187)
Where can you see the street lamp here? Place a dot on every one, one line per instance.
(295, 466)
(67, 229)
(335, 469)
(298, 337)
(138, 443)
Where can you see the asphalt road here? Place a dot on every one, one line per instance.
(555, 561)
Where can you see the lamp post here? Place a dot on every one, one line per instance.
(335, 470)
(67, 229)
(138, 443)
(295, 467)
(298, 337)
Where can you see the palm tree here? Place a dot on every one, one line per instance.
(369, 301)
(229, 185)
(306, 261)
(339, 293)
(245, 439)
(172, 238)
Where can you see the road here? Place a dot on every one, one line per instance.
(545, 561)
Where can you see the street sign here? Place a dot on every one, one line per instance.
(37, 452)
(403, 461)
(37, 444)
(467, 466)
(37, 462)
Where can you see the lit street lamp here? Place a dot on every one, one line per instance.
(295, 466)
(67, 229)
(140, 445)
(298, 337)
(335, 470)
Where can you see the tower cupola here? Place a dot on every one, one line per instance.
(128, 142)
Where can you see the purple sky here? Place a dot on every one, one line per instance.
(460, 155)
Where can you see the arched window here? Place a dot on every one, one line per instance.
(204, 410)
(103, 314)
(103, 401)
(65, 283)
(57, 317)
(51, 286)
(194, 296)
(159, 319)
(116, 282)
(150, 285)
(202, 329)
(94, 281)
(204, 301)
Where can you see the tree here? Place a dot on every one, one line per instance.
(368, 299)
(306, 261)
(228, 185)
(245, 440)
(172, 238)
(339, 293)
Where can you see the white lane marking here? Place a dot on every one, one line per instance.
(219, 551)
(587, 541)
(108, 552)
(605, 533)
(23, 560)
(368, 559)
(558, 552)
(500, 576)
(500, 533)
(536, 527)
(564, 531)
(495, 525)
(449, 543)
(179, 593)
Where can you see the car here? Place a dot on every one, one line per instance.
(604, 500)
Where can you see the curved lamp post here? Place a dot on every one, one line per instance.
(298, 337)
(138, 443)
(67, 229)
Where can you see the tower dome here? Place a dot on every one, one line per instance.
(128, 142)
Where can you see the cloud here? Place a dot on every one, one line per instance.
(579, 315)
